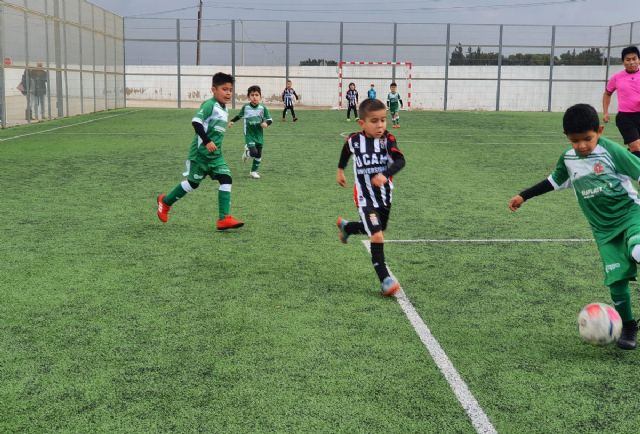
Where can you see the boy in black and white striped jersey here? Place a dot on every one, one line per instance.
(376, 158)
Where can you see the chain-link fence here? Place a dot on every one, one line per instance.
(455, 66)
(64, 57)
(59, 58)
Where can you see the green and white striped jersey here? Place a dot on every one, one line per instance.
(253, 116)
(214, 118)
(603, 185)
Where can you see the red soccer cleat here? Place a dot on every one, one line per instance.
(389, 286)
(163, 209)
(228, 222)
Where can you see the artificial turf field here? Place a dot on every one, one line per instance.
(112, 322)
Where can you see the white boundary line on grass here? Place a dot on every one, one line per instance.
(496, 240)
(479, 419)
(67, 126)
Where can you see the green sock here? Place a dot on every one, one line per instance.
(177, 193)
(621, 296)
(256, 161)
(224, 203)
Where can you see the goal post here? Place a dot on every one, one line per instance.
(384, 76)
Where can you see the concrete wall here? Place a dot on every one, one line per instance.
(469, 88)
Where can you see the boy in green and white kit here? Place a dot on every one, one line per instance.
(256, 119)
(394, 102)
(205, 155)
(600, 172)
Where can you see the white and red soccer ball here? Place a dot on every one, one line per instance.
(599, 324)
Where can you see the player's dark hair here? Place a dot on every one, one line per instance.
(220, 78)
(630, 50)
(253, 89)
(394, 84)
(352, 84)
(370, 105)
(580, 118)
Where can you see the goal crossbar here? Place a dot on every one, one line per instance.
(342, 64)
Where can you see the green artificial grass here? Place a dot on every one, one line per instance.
(113, 322)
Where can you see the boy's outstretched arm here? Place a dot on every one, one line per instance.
(540, 188)
(344, 159)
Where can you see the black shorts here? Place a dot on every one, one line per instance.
(374, 219)
(629, 126)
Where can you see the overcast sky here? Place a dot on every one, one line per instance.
(574, 12)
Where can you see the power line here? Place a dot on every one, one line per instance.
(377, 10)
(148, 14)
(393, 9)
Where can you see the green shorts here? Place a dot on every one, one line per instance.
(198, 170)
(616, 255)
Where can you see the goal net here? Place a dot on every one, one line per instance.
(380, 74)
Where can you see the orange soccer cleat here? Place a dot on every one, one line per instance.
(228, 222)
(163, 209)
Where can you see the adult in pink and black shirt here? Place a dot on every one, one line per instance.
(627, 83)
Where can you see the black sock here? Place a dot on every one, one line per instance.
(377, 258)
(353, 228)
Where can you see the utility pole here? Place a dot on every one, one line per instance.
(198, 36)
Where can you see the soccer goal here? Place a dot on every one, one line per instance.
(380, 74)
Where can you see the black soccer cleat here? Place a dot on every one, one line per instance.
(627, 340)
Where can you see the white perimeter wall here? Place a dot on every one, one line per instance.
(427, 92)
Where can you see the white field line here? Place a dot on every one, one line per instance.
(479, 419)
(496, 240)
(448, 132)
(67, 126)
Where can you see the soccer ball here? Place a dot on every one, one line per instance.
(599, 324)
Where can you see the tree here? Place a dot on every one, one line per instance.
(457, 56)
(590, 56)
(318, 62)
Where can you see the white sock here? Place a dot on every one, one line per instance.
(635, 253)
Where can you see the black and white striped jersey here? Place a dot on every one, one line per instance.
(352, 97)
(370, 157)
(287, 96)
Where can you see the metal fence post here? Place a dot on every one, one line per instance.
(395, 51)
(631, 34)
(341, 41)
(606, 75)
(178, 63)
(104, 69)
(58, 58)
(233, 60)
(3, 115)
(286, 71)
(446, 67)
(124, 64)
(66, 65)
(48, 58)
(81, 61)
(115, 62)
(499, 68)
(28, 114)
(93, 42)
(553, 53)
